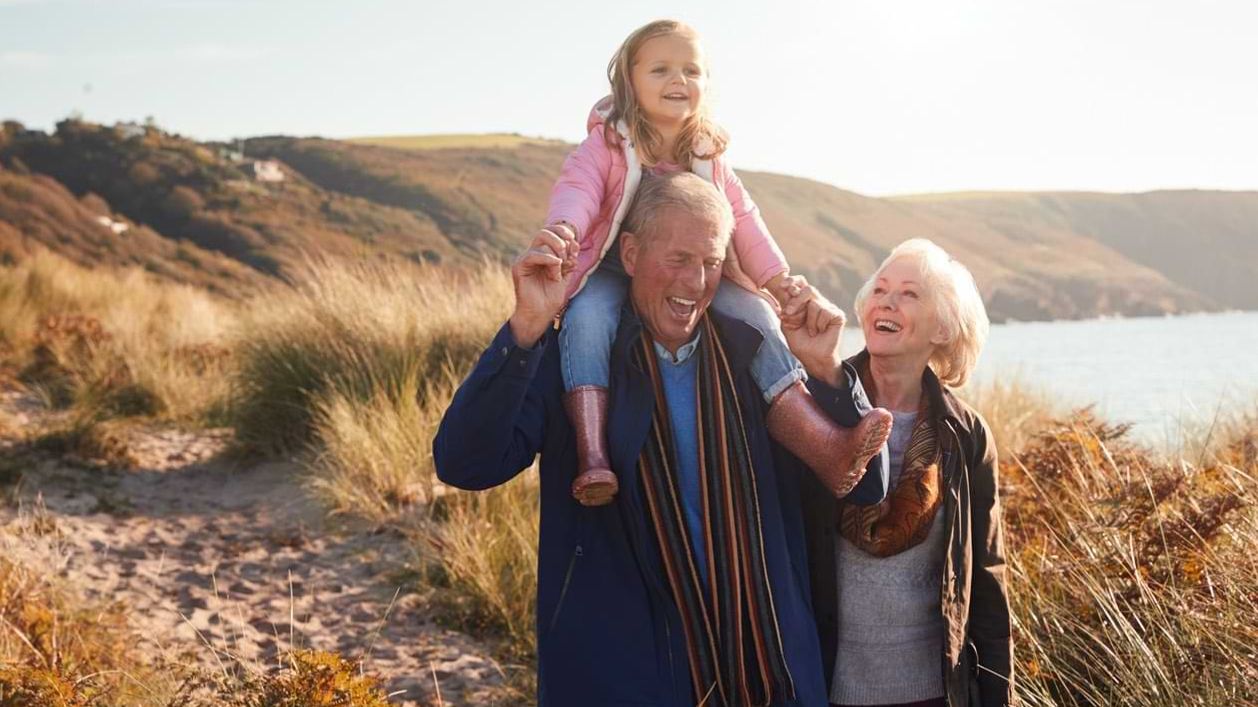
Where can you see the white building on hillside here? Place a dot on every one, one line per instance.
(115, 226)
(267, 171)
(130, 130)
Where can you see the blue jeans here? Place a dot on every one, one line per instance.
(589, 328)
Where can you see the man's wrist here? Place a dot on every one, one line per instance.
(526, 331)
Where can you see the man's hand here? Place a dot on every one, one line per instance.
(813, 326)
(540, 276)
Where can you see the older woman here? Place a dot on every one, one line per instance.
(909, 594)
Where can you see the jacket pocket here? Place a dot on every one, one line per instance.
(971, 675)
(577, 553)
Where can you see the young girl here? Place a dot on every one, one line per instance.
(656, 121)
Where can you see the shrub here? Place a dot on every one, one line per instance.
(119, 343)
(1132, 579)
(315, 679)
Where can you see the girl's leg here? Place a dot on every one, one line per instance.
(837, 455)
(585, 342)
(774, 367)
(589, 328)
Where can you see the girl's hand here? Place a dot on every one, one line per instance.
(806, 307)
(780, 286)
(568, 235)
(793, 294)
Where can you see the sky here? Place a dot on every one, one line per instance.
(878, 96)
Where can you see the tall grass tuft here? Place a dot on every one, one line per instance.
(373, 458)
(357, 363)
(486, 546)
(115, 342)
(357, 331)
(1015, 410)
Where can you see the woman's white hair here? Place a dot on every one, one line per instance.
(950, 286)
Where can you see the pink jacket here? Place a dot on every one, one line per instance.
(597, 185)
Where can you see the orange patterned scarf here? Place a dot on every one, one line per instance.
(903, 519)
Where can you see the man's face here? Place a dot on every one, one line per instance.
(675, 273)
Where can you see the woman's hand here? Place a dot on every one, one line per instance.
(804, 306)
(813, 327)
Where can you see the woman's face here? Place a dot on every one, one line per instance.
(899, 317)
(668, 78)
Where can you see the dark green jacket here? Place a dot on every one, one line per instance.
(978, 653)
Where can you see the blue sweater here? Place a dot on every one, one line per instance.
(608, 629)
(678, 377)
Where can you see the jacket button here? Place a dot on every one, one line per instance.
(505, 351)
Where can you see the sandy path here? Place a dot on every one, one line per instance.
(218, 561)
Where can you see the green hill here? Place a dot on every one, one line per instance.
(455, 200)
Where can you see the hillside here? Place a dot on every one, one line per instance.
(38, 211)
(489, 198)
(191, 192)
(455, 200)
(484, 199)
(838, 237)
(1205, 241)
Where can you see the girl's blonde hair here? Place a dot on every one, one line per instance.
(699, 138)
(959, 306)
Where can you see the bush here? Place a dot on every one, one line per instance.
(183, 203)
(315, 679)
(57, 649)
(116, 343)
(1132, 579)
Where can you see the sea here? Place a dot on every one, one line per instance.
(1166, 376)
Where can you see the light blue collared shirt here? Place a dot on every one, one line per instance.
(680, 378)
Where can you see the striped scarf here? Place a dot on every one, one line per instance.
(732, 638)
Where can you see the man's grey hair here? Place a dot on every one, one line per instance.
(684, 191)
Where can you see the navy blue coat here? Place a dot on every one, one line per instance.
(608, 630)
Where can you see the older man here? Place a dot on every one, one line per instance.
(693, 586)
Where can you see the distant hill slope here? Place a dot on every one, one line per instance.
(187, 191)
(436, 142)
(37, 211)
(457, 199)
(839, 237)
(490, 198)
(484, 200)
(1205, 241)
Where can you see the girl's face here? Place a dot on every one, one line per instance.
(668, 79)
(899, 318)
